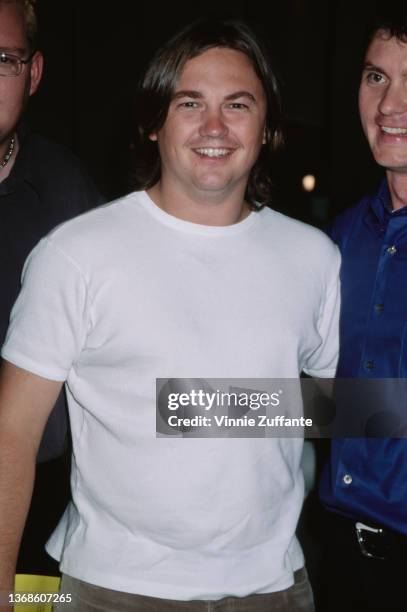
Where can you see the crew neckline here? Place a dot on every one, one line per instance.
(195, 228)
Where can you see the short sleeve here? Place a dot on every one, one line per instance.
(49, 320)
(323, 362)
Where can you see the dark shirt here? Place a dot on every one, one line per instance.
(367, 478)
(46, 186)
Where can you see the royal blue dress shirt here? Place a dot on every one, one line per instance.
(366, 478)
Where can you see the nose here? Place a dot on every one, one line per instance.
(213, 124)
(394, 99)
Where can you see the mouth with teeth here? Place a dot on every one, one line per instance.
(394, 131)
(213, 153)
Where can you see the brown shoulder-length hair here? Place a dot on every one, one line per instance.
(158, 86)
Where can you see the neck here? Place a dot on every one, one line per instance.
(204, 209)
(398, 189)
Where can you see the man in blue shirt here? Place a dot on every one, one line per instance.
(365, 484)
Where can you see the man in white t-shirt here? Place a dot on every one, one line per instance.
(189, 277)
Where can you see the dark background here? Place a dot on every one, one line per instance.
(95, 53)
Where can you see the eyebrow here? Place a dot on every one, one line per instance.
(241, 94)
(373, 67)
(13, 50)
(186, 93)
(198, 95)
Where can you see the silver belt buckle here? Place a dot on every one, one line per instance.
(361, 530)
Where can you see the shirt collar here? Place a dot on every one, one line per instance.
(380, 204)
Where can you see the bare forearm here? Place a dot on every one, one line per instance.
(17, 471)
(26, 401)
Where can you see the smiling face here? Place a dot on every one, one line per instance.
(383, 101)
(214, 128)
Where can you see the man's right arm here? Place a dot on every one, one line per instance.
(26, 401)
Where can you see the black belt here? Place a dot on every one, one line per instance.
(380, 543)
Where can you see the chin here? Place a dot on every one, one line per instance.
(390, 159)
(389, 163)
(211, 186)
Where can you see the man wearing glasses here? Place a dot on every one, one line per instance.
(41, 183)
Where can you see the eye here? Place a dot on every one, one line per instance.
(238, 106)
(375, 78)
(10, 65)
(6, 59)
(188, 104)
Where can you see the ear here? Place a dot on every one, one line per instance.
(153, 137)
(36, 67)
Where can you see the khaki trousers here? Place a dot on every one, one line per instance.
(90, 598)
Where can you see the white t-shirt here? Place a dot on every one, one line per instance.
(125, 294)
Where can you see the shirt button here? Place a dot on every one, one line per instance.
(379, 308)
(392, 250)
(369, 365)
(347, 479)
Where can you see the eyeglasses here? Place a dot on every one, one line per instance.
(12, 65)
